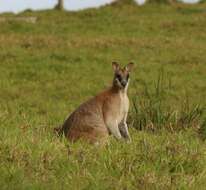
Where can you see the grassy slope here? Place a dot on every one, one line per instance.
(48, 68)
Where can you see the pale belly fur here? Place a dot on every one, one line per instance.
(124, 107)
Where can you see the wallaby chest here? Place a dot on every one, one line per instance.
(124, 103)
(122, 107)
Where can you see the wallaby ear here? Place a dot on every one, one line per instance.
(129, 67)
(115, 66)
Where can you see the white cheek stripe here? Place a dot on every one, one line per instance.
(127, 85)
(119, 83)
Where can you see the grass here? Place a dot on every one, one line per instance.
(47, 69)
(151, 109)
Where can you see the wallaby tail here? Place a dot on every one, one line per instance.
(58, 131)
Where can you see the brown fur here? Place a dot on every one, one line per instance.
(103, 114)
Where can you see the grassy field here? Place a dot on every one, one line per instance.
(47, 69)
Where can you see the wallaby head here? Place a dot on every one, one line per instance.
(121, 75)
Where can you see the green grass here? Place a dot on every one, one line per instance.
(47, 69)
(153, 110)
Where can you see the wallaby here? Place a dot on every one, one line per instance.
(103, 114)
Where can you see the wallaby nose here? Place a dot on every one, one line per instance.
(124, 83)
